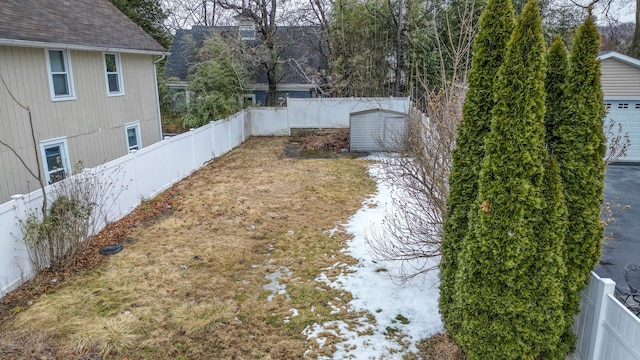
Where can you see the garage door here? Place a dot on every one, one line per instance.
(627, 114)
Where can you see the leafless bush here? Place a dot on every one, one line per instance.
(58, 239)
(420, 174)
(411, 235)
(617, 144)
(617, 141)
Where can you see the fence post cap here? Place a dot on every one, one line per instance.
(17, 196)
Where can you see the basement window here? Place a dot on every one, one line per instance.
(133, 137)
(55, 159)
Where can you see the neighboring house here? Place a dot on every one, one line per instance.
(621, 88)
(302, 63)
(87, 73)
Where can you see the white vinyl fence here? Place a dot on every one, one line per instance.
(606, 329)
(155, 168)
(133, 177)
(334, 112)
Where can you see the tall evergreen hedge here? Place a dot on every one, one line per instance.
(508, 287)
(496, 25)
(548, 272)
(556, 89)
(580, 151)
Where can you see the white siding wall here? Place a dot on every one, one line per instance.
(93, 123)
(139, 175)
(619, 80)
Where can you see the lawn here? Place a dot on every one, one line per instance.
(251, 260)
(208, 279)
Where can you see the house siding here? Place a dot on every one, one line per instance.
(93, 123)
(619, 80)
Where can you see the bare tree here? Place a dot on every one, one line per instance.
(263, 14)
(420, 173)
(317, 14)
(184, 13)
(421, 170)
(36, 174)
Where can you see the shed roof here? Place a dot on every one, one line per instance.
(377, 110)
(80, 24)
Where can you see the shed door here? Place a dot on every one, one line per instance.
(627, 114)
(365, 132)
(395, 132)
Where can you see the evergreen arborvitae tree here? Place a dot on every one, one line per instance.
(580, 150)
(556, 89)
(507, 284)
(549, 271)
(496, 25)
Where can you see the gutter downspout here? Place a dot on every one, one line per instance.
(155, 79)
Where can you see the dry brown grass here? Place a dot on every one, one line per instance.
(440, 347)
(235, 222)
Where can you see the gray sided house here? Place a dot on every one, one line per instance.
(300, 53)
(621, 88)
(87, 74)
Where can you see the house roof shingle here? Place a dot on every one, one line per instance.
(90, 24)
(300, 45)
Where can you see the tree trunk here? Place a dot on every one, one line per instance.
(634, 51)
(272, 90)
(271, 93)
(397, 86)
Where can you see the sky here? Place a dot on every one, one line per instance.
(417, 300)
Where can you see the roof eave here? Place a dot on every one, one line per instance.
(620, 57)
(40, 44)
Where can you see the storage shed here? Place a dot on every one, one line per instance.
(377, 130)
(621, 89)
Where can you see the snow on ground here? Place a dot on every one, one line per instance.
(410, 309)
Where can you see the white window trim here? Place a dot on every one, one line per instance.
(67, 60)
(119, 73)
(64, 149)
(247, 27)
(132, 125)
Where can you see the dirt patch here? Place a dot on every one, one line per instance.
(440, 347)
(320, 143)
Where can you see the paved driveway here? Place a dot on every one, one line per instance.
(622, 186)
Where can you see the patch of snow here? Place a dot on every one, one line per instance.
(377, 294)
(275, 286)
